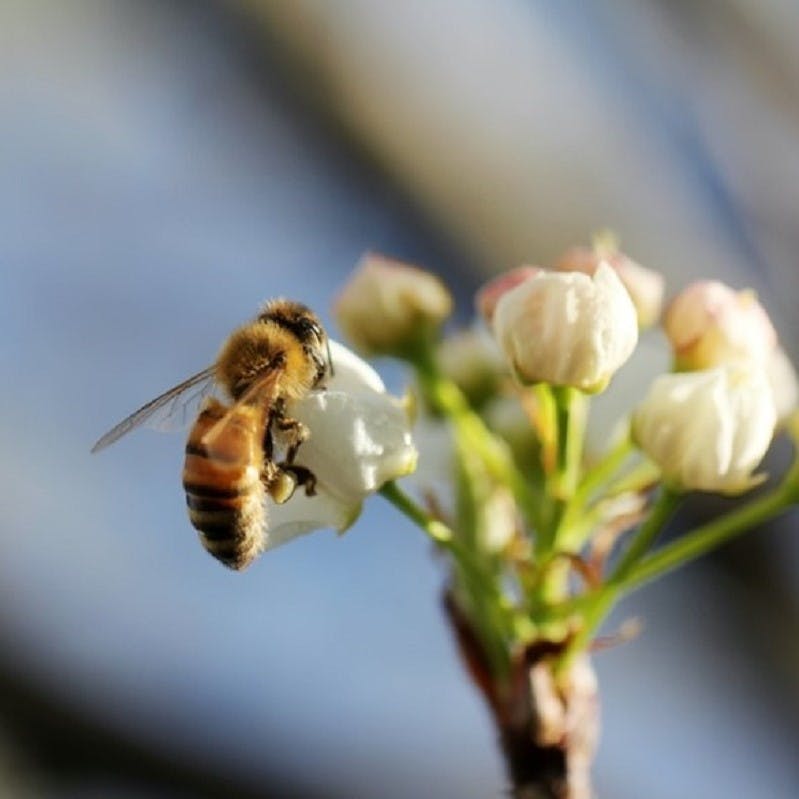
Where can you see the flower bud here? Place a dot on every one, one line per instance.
(708, 430)
(644, 285)
(567, 329)
(784, 384)
(388, 306)
(497, 520)
(472, 360)
(488, 296)
(507, 417)
(709, 324)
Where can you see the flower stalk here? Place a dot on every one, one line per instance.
(705, 539)
(445, 398)
(596, 611)
(572, 412)
(436, 530)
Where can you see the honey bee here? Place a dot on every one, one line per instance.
(230, 466)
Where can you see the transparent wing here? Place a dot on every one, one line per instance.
(260, 394)
(173, 410)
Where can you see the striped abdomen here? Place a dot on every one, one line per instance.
(222, 479)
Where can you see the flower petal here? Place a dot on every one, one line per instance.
(784, 384)
(358, 441)
(352, 374)
(644, 285)
(708, 430)
(566, 328)
(303, 514)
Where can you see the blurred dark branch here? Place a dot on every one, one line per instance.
(66, 747)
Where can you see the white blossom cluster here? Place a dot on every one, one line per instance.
(707, 425)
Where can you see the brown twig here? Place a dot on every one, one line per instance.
(548, 728)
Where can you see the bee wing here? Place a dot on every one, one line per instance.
(261, 394)
(173, 410)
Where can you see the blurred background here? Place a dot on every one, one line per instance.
(164, 167)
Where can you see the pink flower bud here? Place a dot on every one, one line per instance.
(488, 296)
(644, 285)
(709, 324)
(387, 305)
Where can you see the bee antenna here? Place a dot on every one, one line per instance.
(330, 360)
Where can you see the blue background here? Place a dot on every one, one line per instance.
(161, 173)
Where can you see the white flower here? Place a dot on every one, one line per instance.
(566, 328)
(784, 384)
(708, 324)
(487, 297)
(644, 285)
(708, 430)
(388, 305)
(359, 439)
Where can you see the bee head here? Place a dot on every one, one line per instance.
(306, 327)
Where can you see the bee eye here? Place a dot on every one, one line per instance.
(308, 326)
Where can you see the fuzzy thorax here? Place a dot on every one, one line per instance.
(258, 348)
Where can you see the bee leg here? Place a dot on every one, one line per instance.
(303, 477)
(297, 433)
(279, 483)
(268, 444)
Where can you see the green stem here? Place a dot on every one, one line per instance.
(605, 598)
(633, 572)
(546, 426)
(438, 532)
(639, 478)
(447, 398)
(580, 518)
(604, 470)
(489, 611)
(593, 617)
(660, 514)
(572, 409)
(703, 539)
(441, 535)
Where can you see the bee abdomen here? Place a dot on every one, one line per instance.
(224, 492)
(232, 533)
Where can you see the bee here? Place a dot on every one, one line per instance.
(230, 467)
